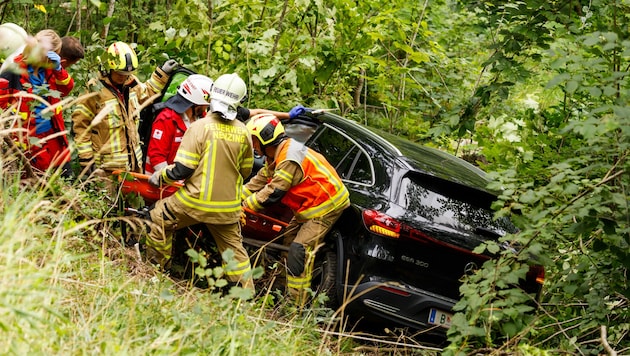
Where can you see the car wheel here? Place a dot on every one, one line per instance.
(325, 276)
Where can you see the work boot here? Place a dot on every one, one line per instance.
(299, 297)
(154, 257)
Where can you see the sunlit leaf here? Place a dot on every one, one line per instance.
(40, 7)
(571, 86)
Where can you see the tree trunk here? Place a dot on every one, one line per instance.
(110, 13)
(280, 22)
(131, 22)
(79, 4)
(359, 88)
(210, 22)
(3, 7)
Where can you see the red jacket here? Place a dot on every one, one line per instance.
(166, 136)
(55, 151)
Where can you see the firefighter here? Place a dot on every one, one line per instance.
(176, 115)
(214, 158)
(37, 70)
(304, 181)
(105, 124)
(242, 113)
(12, 42)
(72, 51)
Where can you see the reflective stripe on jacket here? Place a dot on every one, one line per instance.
(112, 140)
(220, 153)
(320, 190)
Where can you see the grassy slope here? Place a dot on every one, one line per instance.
(60, 294)
(66, 287)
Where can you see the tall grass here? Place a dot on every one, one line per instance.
(68, 287)
(62, 293)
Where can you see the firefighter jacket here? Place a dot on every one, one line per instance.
(166, 136)
(105, 124)
(50, 85)
(300, 178)
(221, 156)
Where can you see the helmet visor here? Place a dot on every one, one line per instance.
(228, 111)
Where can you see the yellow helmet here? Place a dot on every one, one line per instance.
(121, 57)
(267, 128)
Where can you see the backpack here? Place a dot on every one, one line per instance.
(148, 114)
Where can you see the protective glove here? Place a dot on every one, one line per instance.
(42, 124)
(243, 218)
(297, 111)
(143, 212)
(159, 166)
(156, 178)
(55, 59)
(169, 66)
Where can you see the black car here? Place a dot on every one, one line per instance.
(399, 252)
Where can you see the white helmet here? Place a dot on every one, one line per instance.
(196, 88)
(228, 91)
(12, 37)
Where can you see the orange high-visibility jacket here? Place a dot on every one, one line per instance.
(320, 190)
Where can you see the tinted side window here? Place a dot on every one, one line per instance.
(332, 145)
(349, 160)
(361, 170)
(299, 132)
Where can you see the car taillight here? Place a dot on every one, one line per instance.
(536, 273)
(385, 225)
(381, 224)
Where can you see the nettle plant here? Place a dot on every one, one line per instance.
(213, 276)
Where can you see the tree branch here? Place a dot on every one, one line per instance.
(27, 164)
(604, 339)
(110, 12)
(280, 22)
(607, 178)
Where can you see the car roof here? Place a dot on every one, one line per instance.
(417, 157)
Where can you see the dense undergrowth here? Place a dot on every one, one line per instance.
(536, 92)
(68, 286)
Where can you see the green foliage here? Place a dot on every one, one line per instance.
(493, 310)
(67, 287)
(561, 161)
(213, 275)
(536, 91)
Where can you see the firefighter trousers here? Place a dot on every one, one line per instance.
(167, 217)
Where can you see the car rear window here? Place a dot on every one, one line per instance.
(452, 206)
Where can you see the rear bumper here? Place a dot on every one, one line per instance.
(398, 305)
